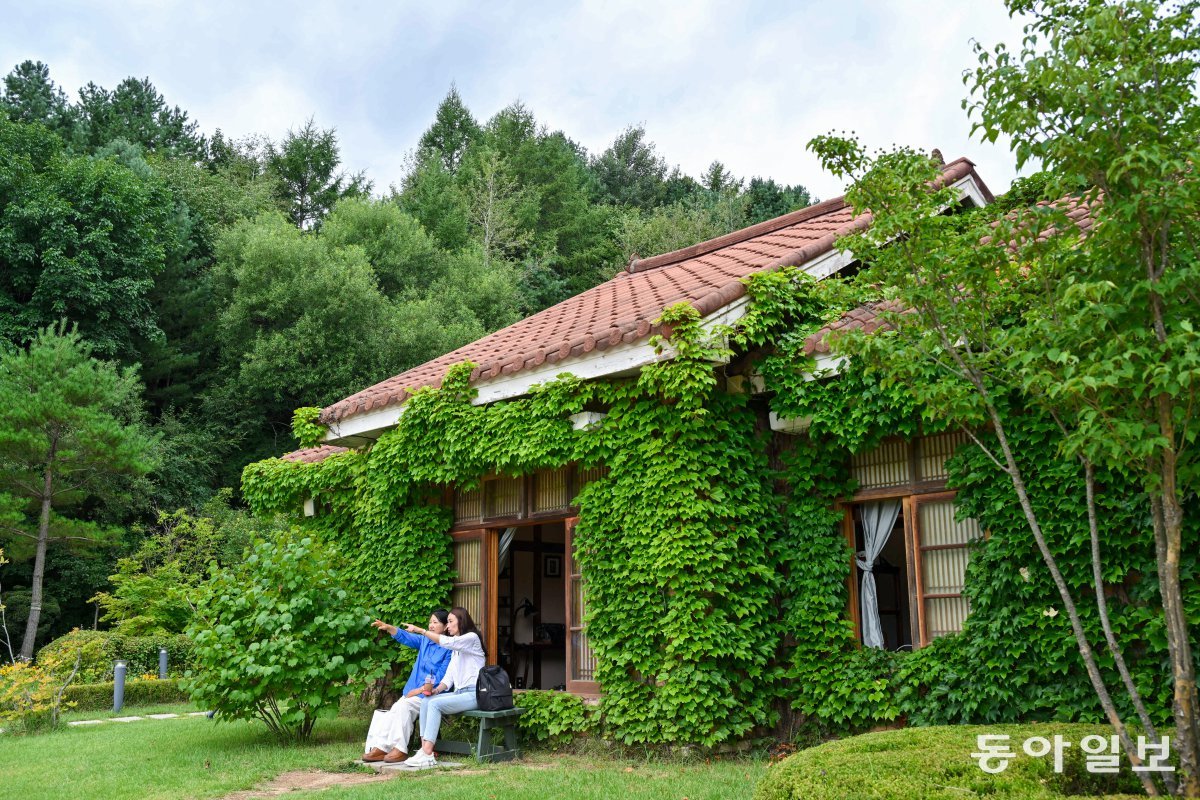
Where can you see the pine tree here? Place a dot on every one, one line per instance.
(69, 426)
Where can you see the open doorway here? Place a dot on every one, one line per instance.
(891, 571)
(531, 619)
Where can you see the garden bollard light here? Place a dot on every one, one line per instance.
(119, 685)
(162, 663)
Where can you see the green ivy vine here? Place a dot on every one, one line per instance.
(306, 426)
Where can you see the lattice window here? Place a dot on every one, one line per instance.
(944, 546)
(886, 465)
(468, 580)
(468, 506)
(502, 497)
(552, 489)
(934, 452)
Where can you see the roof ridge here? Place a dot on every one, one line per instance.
(758, 229)
(623, 309)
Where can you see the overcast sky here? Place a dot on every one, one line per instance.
(748, 83)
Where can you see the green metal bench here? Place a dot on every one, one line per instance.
(484, 749)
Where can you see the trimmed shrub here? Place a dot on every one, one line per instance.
(99, 696)
(99, 649)
(935, 764)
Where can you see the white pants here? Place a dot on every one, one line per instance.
(393, 728)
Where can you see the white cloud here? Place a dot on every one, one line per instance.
(269, 103)
(748, 83)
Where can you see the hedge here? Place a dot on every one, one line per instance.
(100, 649)
(99, 696)
(935, 764)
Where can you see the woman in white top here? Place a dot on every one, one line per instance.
(456, 692)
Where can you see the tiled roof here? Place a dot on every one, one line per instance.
(865, 318)
(310, 455)
(1078, 210)
(621, 310)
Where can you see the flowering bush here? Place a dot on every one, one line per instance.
(29, 696)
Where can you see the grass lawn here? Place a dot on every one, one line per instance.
(193, 757)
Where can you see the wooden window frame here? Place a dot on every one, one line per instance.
(910, 507)
(916, 502)
(526, 515)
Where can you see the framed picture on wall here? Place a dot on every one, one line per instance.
(551, 566)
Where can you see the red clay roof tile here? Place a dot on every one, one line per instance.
(310, 455)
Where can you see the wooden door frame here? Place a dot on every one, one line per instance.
(570, 575)
(490, 589)
(907, 510)
(852, 611)
(488, 594)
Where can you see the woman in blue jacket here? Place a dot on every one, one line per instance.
(390, 731)
(455, 693)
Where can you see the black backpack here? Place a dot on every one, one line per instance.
(493, 691)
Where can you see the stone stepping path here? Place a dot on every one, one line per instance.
(390, 769)
(138, 719)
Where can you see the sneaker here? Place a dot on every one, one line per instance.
(421, 760)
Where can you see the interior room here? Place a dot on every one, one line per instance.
(531, 605)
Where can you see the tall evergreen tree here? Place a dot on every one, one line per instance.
(69, 425)
(630, 172)
(136, 112)
(430, 194)
(306, 166)
(31, 96)
(718, 180)
(452, 132)
(767, 199)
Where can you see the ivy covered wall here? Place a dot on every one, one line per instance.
(1016, 657)
(717, 585)
(675, 541)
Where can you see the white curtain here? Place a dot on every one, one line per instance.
(506, 540)
(878, 519)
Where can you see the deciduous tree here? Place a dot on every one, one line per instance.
(80, 238)
(1106, 94)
